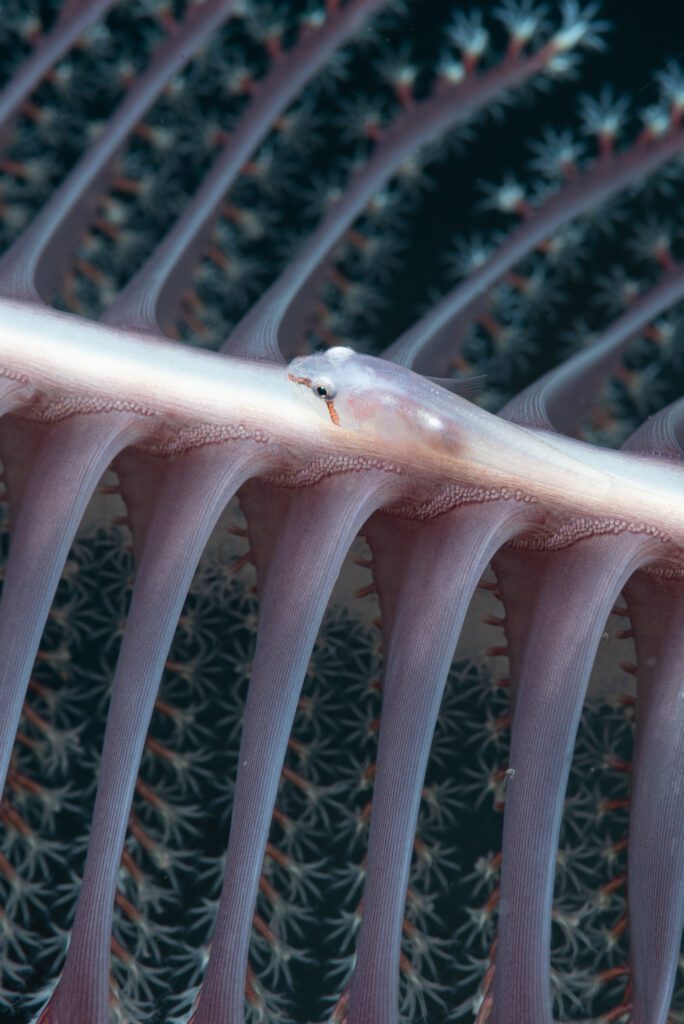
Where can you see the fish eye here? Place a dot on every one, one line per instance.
(324, 389)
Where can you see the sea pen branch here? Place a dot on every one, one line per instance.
(149, 301)
(559, 399)
(203, 480)
(430, 344)
(283, 312)
(453, 549)
(31, 268)
(71, 23)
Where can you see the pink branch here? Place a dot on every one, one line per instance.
(69, 26)
(151, 298)
(32, 266)
(560, 399)
(661, 435)
(282, 313)
(430, 343)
